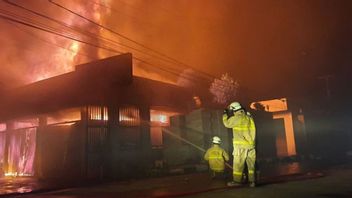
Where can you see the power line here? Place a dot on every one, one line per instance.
(205, 75)
(111, 50)
(56, 33)
(51, 43)
(51, 30)
(78, 30)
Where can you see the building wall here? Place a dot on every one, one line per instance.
(60, 151)
(189, 136)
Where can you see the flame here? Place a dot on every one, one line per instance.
(63, 60)
(3, 127)
(68, 54)
(16, 174)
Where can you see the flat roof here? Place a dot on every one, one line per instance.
(104, 82)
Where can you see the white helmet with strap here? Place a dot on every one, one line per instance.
(235, 106)
(216, 140)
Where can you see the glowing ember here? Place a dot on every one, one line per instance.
(21, 152)
(64, 117)
(2, 127)
(16, 174)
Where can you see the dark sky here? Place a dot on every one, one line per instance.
(270, 46)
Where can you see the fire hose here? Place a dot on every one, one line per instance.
(190, 143)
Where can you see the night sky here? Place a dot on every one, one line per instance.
(273, 47)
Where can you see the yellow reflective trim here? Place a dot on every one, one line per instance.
(237, 173)
(240, 128)
(215, 157)
(244, 128)
(250, 172)
(218, 169)
(243, 142)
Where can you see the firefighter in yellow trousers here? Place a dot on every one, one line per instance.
(244, 132)
(216, 156)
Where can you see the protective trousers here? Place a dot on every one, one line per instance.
(240, 157)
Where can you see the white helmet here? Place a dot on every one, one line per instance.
(235, 106)
(216, 140)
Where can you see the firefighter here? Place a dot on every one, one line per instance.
(216, 156)
(244, 132)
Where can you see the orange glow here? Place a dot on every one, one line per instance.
(98, 113)
(162, 118)
(272, 105)
(289, 132)
(159, 119)
(25, 123)
(197, 101)
(3, 127)
(140, 72)
(285, 143)
(64, 116)
(129, 116)
(64, 58)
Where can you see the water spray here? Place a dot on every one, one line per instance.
(189, 143)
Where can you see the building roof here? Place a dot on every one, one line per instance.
(104, 82)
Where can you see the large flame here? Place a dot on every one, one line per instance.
(65, 58)
(44, 55)
(71, 52)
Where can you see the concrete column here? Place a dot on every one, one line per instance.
(84, 131)
(38, 161)
(9, 128)
(145, 136)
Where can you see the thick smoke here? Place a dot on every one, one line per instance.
(30, 54)
(268, 45)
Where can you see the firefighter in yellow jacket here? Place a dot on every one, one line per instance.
(216, 156)
(244, 133)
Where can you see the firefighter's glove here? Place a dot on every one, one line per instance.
(229, 112)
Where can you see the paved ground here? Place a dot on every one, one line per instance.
(334, 182)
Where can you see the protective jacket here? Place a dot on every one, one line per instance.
(243, 129)
(244, 133)
(216, 157)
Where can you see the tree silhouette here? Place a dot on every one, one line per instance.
(224, 89)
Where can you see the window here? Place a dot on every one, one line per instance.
(64, 116)
(2, 127)
(159, 119)
(25, 123)
(97, 113)
(129, 116)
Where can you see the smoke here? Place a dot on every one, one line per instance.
(185, 79)
(268, 45)
(224, 89)
(32, 54)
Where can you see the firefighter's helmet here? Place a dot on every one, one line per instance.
(216, 140)
(235, 106)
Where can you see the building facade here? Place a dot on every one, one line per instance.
(98, 121)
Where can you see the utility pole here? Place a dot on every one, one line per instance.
(327, 83)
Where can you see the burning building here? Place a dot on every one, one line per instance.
(98, 121)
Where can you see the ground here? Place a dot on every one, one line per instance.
(331, 182)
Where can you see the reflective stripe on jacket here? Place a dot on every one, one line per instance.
(243, 129)
(216, 157)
